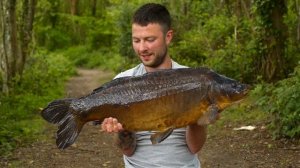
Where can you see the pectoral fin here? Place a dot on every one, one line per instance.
(161, 136)
(209, 116)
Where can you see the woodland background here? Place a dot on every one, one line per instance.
(43, 41)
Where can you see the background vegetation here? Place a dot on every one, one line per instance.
(256, 42)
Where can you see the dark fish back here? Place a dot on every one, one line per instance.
(152, 85)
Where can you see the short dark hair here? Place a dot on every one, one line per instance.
(153, 13)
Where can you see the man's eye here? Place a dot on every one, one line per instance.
(151, 39)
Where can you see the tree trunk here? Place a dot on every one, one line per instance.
(14, 49)
(246, 7)
(272, 64)
(276, 64)
(74, 7)
(228, 7)
(94, 7)
(26, 32)
(238, 13)
(9, 46)
(3, 68)
(298, 14)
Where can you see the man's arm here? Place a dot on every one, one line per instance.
(196, 137)
(126, 140)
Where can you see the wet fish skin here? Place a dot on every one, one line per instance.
(160, 101)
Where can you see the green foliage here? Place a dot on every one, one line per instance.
(43, 81)
(271, 38)
(83, 56)
(221, 35)
(124, 25)
(232, 44)
(191, 51)
(293, 46)
(56, 29)
(282, 101)
(52, 38)
(200, 44)
(219, 44)
(234, 60)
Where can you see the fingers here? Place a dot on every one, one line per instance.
(111, 125)
(218, 116)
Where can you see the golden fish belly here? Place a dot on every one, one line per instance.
(177, 110)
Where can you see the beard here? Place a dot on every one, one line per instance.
(158, 59)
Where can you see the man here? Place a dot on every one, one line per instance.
(151, 36)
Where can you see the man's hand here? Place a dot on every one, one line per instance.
(111, 125)
(196, 134)
(126, 140)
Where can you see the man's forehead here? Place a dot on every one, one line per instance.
(146, 31)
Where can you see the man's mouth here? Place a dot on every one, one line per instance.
(145, 57)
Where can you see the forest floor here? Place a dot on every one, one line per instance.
(225, 147)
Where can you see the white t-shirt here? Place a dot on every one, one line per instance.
(171, 153)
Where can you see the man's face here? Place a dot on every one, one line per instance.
(150, 43)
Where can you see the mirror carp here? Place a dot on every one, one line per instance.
(157, 101)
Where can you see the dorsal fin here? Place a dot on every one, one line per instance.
(109, 84)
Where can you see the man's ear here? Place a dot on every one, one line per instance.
(169, 36)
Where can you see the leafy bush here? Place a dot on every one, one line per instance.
(43, 81)
(233, 60)
(192, 50)
(83, 56)
(52, 38)
(124, 27)
(219, 43)
(282, 101)
(61, 30)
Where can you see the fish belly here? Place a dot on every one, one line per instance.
(158, 114)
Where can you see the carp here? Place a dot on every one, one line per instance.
(158, 101)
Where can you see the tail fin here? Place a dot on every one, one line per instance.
(59, 112)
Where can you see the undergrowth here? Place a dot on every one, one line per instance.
(276, 106)
(281, 100)
(42, 81)
(83, 56)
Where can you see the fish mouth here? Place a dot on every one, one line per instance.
(239, 95)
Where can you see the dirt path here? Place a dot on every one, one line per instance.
(225, 148)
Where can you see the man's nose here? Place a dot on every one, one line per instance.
(143, 46)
